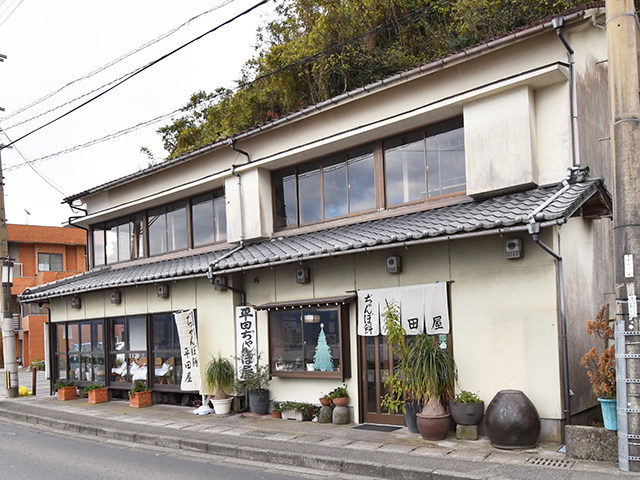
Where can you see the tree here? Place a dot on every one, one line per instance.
(317, 49)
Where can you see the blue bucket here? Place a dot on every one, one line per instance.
(609, 413)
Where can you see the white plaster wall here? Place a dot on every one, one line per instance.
(499, 134)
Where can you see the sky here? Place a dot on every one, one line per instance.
(54, 46)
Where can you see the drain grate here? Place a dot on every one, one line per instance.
(550, 462)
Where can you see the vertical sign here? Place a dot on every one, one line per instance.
(246, 339)
(186, 325)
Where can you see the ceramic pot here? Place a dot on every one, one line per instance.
(410, 411)
(512, 421)
(433, 427)
(325, 402)
(466, 413)
(222, 406)
(341, 401)
(259, 401)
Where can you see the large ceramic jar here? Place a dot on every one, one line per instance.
(512, 421)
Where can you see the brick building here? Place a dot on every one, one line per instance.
(41, 255)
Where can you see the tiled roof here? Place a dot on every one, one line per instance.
(492, 215)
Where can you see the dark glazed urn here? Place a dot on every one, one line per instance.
(410, 409)
(512, 421)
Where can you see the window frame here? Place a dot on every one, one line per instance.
(50, 262)
(343, 335)
(290, 175)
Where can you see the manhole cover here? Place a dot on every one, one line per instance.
(550, 462)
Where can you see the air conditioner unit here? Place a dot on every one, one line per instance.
(393, 264)
(163, 291)
(513, 249)
(75, 302)
(115, 298)
(220, 283)
(302, 275)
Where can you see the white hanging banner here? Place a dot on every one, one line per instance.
(246, 338)
(436, 309)
(368, 315)
(420, 306)
(186, 326)
(387, 296)
(412, 312)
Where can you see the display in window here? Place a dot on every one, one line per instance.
(323, 361)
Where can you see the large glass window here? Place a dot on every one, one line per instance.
(326, 189)
(309, 341)
(167, 360)
(128, 349)
(50, 262)
(209, 218)
(425, 164)
(80, 351)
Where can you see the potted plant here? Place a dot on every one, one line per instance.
(255, 379)
(219, 377)
(277, 408)
(432, 377)
(398, 398)
(300, 411)
(325, 400)
(66, 390)
(139, 395)
(339, 396)
(97, 393)
(601, 368)
(466, 408)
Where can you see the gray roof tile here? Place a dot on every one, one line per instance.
(491, 214)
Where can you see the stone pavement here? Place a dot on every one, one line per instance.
(324, 447)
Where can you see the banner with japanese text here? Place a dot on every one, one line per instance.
(186, 326)
(421, 307)
(246, 339)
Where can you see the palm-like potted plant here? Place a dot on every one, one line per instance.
(219, 377)
(432, 377)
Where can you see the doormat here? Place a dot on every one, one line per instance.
(376, 428)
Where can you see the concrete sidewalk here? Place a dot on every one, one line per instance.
(338, 448)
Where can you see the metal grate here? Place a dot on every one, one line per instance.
(550, 462)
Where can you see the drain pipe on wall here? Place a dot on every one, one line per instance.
(558, 24)
(534, 230)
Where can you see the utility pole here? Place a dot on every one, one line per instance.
(8, 333)
(622, 40)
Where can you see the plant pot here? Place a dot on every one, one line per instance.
(291, 414)
(433, 428)
(325, 402)
(609, 413)
(466, 413)
(410, 411)
(222, 406)
(141, 399)
(98, 395)
(67, 393)
(259, 401)
(512, 421)
(340, 401)
(276, 414)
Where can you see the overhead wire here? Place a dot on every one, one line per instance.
(406, 18)
(138, 71)
(11, 13)
(104, 67)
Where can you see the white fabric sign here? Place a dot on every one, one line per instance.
(436, 309)
(246, 338)
(420, 306)
(186, 325)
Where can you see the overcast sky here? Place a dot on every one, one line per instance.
(51, 44)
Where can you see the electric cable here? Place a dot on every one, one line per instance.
(104, 67)
(139, 70)
(10, 13)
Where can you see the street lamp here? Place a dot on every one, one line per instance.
(7, 273)
(8, 333)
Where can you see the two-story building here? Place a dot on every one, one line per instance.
(40, 255)
(453, 188)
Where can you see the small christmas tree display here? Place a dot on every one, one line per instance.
(322, 358)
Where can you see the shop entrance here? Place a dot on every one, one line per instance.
(376, 362)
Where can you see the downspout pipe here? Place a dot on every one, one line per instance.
(558, 25)
(534, 230)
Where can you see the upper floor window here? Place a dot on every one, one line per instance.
(407, 168)
(184, 224)
(425, 164)
(325, 189)
(50, 262)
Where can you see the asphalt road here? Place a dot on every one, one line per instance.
(41, 454)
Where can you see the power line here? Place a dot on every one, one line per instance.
(139, 70)
(10, 13)
(101, 69)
